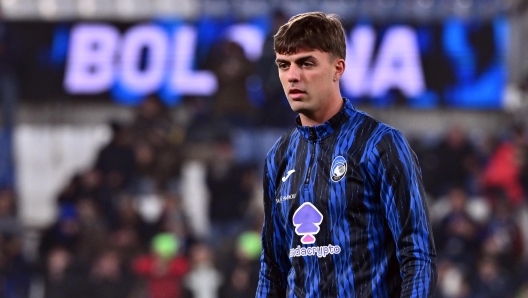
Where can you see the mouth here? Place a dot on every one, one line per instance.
(295, 93)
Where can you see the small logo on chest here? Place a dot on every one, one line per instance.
(338, 169)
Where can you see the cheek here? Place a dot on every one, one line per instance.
(283, 79)
(322, 82)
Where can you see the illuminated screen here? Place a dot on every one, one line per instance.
(455, 63)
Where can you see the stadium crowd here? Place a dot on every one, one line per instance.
(121, 229)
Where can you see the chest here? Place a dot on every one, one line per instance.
(320, 180)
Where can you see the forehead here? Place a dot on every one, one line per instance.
(301, 53)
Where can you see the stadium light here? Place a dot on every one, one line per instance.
(86, 8)
(425, 3)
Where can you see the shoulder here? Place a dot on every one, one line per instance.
(282, 144)
(371, 131)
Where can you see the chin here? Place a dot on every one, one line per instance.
(297, 106)
(300, 109)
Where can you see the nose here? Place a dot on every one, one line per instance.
(293, 74)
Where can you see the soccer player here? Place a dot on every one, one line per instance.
(345, 210)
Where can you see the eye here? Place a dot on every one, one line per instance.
(282, 65)
(307, 64)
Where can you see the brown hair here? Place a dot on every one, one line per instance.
(314, 31)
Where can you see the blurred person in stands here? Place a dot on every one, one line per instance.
(491, 280)
(175, 221)
(502, 239)
(109, 278)
(61, 277)
(457, 161)
(115, 160)
(142, 218)
(9, 223)
(453, 282)
(204, 279)
(65, 232)
(93, 187)
(230, 185)
(345, 209)
(70, 192)
(93, 229)
(14, 267)
(242, 270)
(502, 173)
(231, 103)
(163, 268)
(457, 233)
(125, 241)
(151, 119)
(157, 142)
(15, 271)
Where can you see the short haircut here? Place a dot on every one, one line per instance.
(312, 31)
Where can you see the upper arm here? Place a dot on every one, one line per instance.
(395, 170)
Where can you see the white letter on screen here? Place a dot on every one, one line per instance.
(184, 80)
(155, 41)
(90, 63)
(398, 64)
(249, 37)
(360, 47)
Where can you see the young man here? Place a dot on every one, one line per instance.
(345, 212)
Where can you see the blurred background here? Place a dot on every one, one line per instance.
(133, 135)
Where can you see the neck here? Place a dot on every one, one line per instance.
(319, 117)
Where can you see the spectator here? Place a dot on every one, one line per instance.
(230, 185)
(70, 193)
(108, 278)
(491, 281)
(157, 146)
(125, 241)
(452, 282)
(93, 229)
(61, 279)
(502, 173)
(65, 232)
(163, 268)
(232, 68)
(151, 120)
(175, 220)
(204, 280)
(115, 160)
(457, 234)
(502, 239)
(457, 161)
(14, 269)
(9, 224)
(242, 271)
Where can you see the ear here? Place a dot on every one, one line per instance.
(339, 68)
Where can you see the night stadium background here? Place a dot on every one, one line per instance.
(133, 135)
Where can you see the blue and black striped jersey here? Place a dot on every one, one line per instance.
(345, 213)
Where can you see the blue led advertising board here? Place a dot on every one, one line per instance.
(454, 63)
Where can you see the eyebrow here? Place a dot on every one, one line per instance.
(298, 60)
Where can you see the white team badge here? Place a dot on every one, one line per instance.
(338, 169)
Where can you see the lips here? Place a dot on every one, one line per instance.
(295, 91)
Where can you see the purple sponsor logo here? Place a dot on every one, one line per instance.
(306, 221)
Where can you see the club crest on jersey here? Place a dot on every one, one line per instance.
(338, 169)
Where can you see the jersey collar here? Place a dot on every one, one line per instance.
(329, 127)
